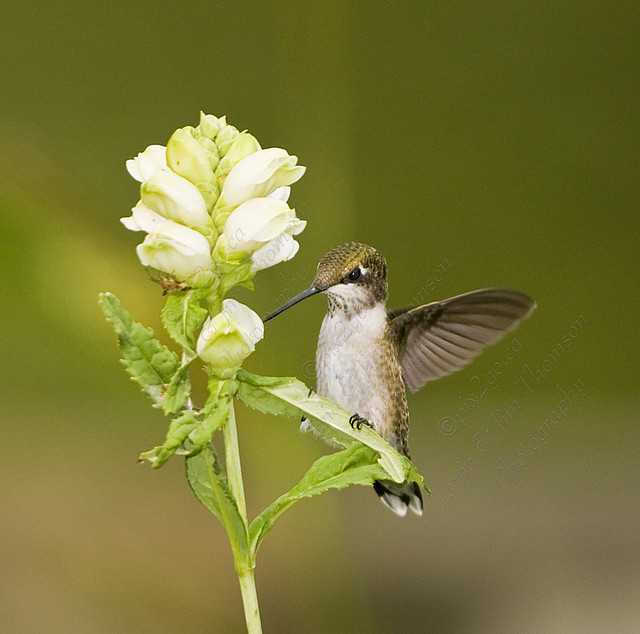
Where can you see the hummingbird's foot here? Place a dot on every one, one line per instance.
(356, 422)
(304, 418)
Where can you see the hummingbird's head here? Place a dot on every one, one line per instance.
(353, 276)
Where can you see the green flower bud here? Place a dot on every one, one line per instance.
(227, 339)
(211, 149)
(188, 158)
(225, 139)
(243, 145)
(235, 274)
(210, 125)
(210, 192)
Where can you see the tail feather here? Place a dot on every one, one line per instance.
(400, 497)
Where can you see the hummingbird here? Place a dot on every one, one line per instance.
(368, 355)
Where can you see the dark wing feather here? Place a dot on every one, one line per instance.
(439, 338)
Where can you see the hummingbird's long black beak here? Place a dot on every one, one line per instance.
(312, 290)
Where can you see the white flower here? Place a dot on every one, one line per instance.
(227, 339)
(282, 193)
(175, 198)
(142, 219)
(281, 249)
(260, 174)
(148, 163)
(256, 223)
(176, 250)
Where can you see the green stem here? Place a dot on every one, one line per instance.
(250, 601)
(244, 562)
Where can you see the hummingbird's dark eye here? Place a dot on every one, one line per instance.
(354, 275)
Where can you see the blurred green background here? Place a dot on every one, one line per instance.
(495, 142)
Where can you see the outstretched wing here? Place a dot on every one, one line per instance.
(439, 338)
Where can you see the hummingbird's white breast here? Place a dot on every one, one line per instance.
(353, 362)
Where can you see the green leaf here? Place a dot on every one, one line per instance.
(291, 397)
(149, 363)
(183, 315)
(256, 396)
(213, 420)
(208, 482)
(178, 390)
(358, 464)
(178, 432)
(191, 432)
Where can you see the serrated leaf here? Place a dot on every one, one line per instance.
(178, 391)
(258, 398)
(208, 482)
(179, 430)
(213, 420)
(183, 315)
(358, 464)
(291, 397)
(149, 363)
(190, 433)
